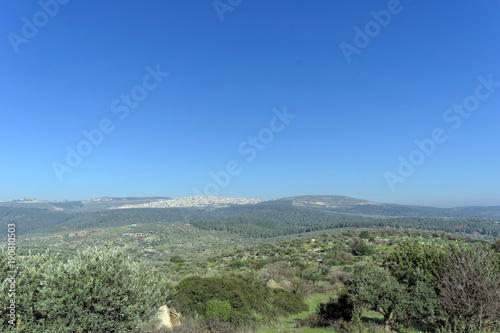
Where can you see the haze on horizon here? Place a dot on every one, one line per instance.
(388, 101)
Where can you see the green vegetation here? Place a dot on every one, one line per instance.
(100, 289)
(271, 267)
(218, 309)
(240, 300)
(264, 220)
(445, 289)
(373, 287)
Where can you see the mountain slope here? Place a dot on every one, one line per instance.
(258, 219)
(347, 205)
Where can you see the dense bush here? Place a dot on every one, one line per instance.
(496, 245)
(360, 248)
(288, 303)
(218, 309)
(99, 290)
(334, 311)
(176, 259)
(418, 268)
(250, 300)
(373, 287)
(28, 283)
(448, 289)
(411, 256)
(340, 258)
(315, 273)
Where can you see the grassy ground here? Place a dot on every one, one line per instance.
(287, 324)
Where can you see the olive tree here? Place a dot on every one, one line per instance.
(98, 290)
(373, 287)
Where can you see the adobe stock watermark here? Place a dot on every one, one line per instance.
(121, 107)
(363, 37)
(248, 149)
(453, 116)
(223, 6)
(30, 27)
(11, 273)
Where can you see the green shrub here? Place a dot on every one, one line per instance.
(374, 288)
(99, 290)
(28, 283)
(176, 259)
(410, 256)
(360, 248)
(193, 294)
(315, 273)
(235, 264)
(496, 245)
(251, 300)
(364, 234)
(340, 258)
(218, 309)
(288, 303)
(335, 311)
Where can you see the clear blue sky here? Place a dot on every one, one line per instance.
(353, 120)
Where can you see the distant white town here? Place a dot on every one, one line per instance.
(199, 201)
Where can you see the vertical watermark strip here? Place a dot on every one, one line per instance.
(11, 273)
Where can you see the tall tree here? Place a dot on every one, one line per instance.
(373, 287)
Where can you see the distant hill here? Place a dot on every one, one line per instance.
(347, 205)
(333, 203)
(327, 201)
(91, 205)
(250, 217)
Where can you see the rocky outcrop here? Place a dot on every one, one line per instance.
(163, 316)
(168, 317)
(287, 285)
(274, 285)
(175, 317)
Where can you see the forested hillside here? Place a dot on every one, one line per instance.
(266, 227)
(267, 219)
